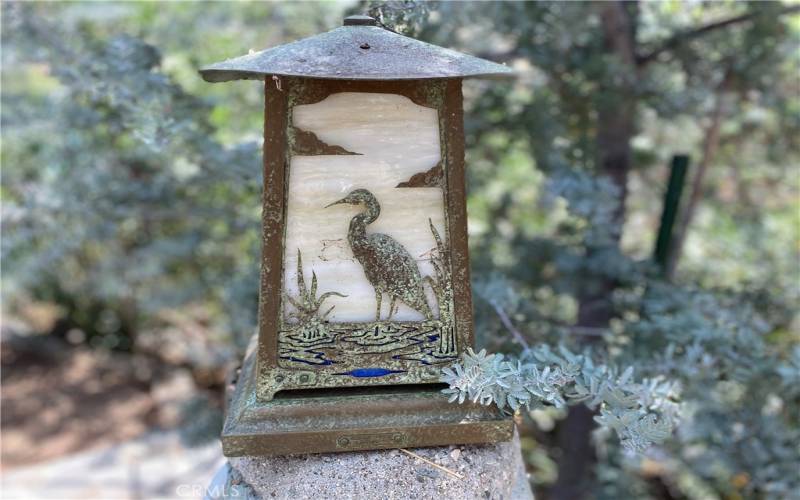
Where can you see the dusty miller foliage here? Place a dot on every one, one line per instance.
(641, 413)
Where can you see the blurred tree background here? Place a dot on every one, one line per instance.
(130, 197)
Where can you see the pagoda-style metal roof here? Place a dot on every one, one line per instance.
(359, 50)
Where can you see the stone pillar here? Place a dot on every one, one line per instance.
(484, 472)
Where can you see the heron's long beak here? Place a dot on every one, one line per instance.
(335, 203)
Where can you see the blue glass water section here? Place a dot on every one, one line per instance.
(370, 372)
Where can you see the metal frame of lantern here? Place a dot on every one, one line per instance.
(278, 409)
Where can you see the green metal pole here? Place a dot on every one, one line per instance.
(672, 200)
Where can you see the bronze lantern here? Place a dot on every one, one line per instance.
(365, 291)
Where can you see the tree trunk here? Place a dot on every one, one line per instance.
(710, 146)
(616, 112)
(577, 455)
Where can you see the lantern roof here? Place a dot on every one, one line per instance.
(359, 50)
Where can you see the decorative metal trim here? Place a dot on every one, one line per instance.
(360, 419)
(444, 96)
(307, 143)
(431, 178)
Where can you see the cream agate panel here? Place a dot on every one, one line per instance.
(392, 139)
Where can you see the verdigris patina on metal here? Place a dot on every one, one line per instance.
(317, 382)
(354, 419)
(359, 50)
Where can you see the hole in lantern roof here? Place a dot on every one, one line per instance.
(364, 46)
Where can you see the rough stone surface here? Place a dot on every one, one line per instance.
(493, 471)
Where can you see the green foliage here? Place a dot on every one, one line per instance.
(116, 189)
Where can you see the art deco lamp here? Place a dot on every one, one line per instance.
(365, 290)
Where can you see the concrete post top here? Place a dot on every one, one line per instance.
(493, 471)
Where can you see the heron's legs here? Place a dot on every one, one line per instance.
(378, 294)
(392, 306)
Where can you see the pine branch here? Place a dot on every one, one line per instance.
(684, 36)
(501, 313)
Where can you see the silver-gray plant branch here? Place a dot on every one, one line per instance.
(641, 413)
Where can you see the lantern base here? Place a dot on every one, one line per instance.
(359, 418)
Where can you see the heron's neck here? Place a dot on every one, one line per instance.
(357, 235)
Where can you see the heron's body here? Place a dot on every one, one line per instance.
(388, 266)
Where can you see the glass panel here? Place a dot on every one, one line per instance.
(367, 289)
(379, 153)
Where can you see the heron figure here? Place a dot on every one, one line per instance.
(389, 267)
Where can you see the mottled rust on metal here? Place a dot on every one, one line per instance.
(273, 220)
(306, 143)
(430, 178)
(428, 93)
(451, 129)
(323, 421)
(356, 51)
(388, 266)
